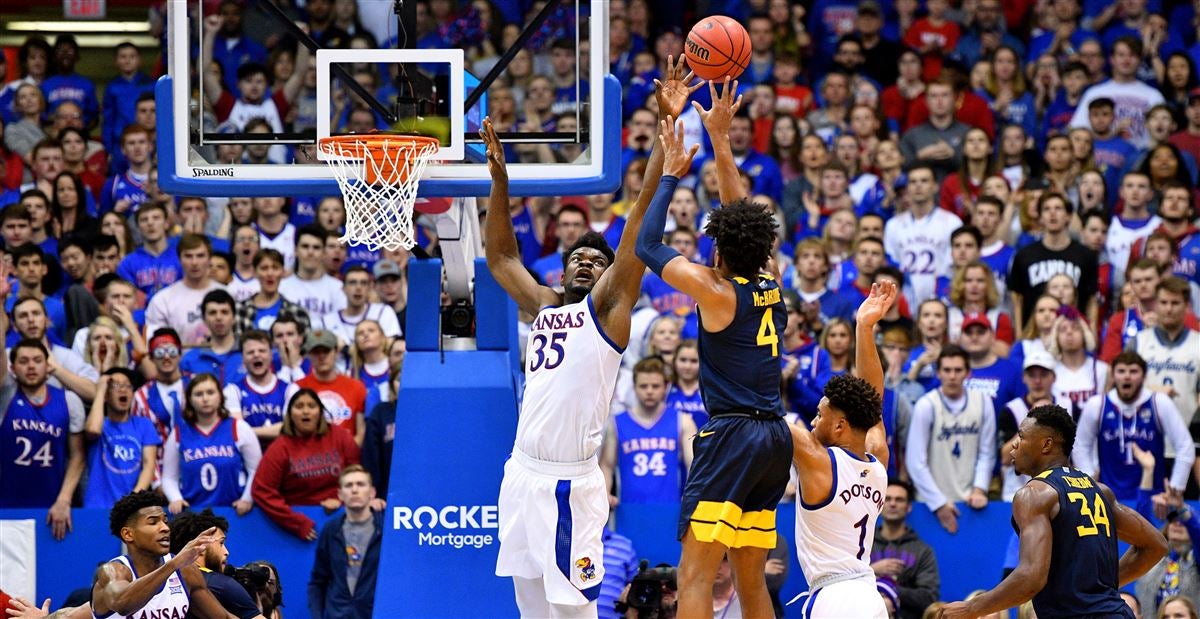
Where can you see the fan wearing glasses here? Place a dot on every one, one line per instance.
(161, 399)
(122, 448)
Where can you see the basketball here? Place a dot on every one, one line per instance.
(717, 46)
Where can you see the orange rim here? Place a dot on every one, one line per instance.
(377, 145)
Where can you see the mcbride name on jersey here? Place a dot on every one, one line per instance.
(571, 371)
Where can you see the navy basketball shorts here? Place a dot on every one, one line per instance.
(739, 472)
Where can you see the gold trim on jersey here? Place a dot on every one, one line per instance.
(726, 523)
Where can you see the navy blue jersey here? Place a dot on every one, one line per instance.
(739, 365)
(1083, 554)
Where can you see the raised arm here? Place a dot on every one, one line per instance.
(716, 121)
(116, 590)
(866, 358)
(695, 280)
(499, 239)
(212, 85)
(95, 419)
(616, 293)
(291, 88)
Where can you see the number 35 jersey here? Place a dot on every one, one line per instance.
(1083, 555)
(570, 374)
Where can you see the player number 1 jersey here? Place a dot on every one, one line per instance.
(834, 538)
(570, 373)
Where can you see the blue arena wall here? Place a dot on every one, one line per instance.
(455, 426)
(459, 582)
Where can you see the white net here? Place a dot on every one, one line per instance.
(378, 176)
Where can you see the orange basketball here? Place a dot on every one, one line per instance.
(717, 46)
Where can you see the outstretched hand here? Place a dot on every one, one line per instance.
(676, 161)
(21, 608)
(495, 151)
(673, 90)
(872, 310)
(718, 118)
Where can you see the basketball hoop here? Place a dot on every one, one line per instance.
(378, 174)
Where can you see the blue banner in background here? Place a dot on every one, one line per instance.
(455, 423)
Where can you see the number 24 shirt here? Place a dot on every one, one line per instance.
(33, 443)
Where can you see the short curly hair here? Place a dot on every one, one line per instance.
(1058, 420)
(127, 507)
(744, 233)
(856, 399)
(591, 239)
(189, 525)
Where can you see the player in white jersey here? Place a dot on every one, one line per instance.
(149, 581)
(918, 240)
(572, 358)
(843, 478)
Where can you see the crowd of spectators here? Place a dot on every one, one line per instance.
(1025, 171)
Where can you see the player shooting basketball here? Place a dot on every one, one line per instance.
(743, 454)
(572, 359)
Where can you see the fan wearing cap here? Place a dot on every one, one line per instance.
(1038, 376)
(123, 447)
(357, 283)
(990, 373)
(1132, 98)
(342, 397)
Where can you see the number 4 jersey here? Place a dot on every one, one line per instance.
(33, 444)
(570, 373)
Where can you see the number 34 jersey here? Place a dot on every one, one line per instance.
(1083, 553)
(570, 373)
(834, 536)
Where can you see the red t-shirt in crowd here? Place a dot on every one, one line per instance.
(943, 37)
(298, 470)
(971, 109)
(343, 397)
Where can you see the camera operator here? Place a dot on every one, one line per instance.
(651, 595)
(270, 600)
(261, 582)
(229, 592)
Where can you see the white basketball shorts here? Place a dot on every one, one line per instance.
(849, 598)
(552, 518)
